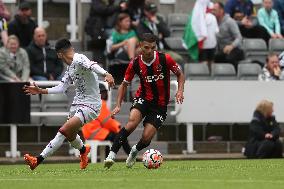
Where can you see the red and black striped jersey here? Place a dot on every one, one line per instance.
(154, 77)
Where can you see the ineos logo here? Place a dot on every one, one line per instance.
(152, 78)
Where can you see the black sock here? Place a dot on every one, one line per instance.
(83, 149)
(39, 159)
(119, 140)
(141, 145)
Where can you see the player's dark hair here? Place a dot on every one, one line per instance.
(148, 37)
(62, 44)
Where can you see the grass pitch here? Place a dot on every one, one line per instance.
(205, 174)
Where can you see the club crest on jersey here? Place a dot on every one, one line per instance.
(152, 78)
(159, 68)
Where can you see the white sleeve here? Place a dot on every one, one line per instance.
(62, 86)
(91, 65)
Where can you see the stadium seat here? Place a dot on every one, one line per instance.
(256, 50)
(176, 23)
(35, 107)
(55, 103)
(276, 45)
(196, 71)
(94, 148)
(177, 44)
(223, 71)
(248, 71)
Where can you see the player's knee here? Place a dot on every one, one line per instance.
(68, 135)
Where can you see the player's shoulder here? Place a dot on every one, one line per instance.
(79, 58)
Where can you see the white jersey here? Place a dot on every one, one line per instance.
(83, 74)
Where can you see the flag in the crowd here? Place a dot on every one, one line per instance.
(195, 30)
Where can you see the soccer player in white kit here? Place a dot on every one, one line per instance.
(86, 104)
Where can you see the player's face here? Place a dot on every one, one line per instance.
(147, 49)
(66, 55)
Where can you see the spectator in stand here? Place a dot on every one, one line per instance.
(123, 39)
(4, 12)
(135, 10)
(228, 39)
(242, 11)
(45, 65)
(3, 31)
(23, 26)
(272, 69)
(264, 133)
(153, 23)
(279, 7)
(14, 61)
(207, 52)
(101, 20)
(268, 18)
(104, 127)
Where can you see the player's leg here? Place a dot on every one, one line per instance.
(148, 133)
(153, 121)
(135, 118)
(54, 144)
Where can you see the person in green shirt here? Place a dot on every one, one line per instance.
(268, 18)
(123, 39)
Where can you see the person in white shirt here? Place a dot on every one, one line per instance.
(86, 104)
(208, 49)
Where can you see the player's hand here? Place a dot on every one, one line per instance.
(32, 89)
(110, 80)
(115, 111)
(179, 97)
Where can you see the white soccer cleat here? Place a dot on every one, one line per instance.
(131, 158)
(108, 163)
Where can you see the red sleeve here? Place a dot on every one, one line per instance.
(129, 74)
(172, 65)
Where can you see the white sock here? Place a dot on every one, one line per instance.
(53, 145)
(111, 155)
(77, 143)
(133, 149)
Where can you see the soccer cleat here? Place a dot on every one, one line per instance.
(31, 161)
(84, 157)
(130, 161)
(108, 163)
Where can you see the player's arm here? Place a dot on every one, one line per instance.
(99, 70)
(94, 67)
(60, 88)
(180, 80)
(121, 93)
(129, 74)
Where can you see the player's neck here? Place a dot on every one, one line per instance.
(147, 59)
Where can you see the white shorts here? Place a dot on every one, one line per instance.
(85, 112)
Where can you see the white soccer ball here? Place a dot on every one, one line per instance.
(152, 159)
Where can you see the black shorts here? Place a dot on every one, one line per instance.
(152, 113)
(207, 54)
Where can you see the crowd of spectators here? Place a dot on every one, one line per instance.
(115, 27)
(25, 54)
(238, 20)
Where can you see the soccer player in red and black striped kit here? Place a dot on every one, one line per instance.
(151, 99)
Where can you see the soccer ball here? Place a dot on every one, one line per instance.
(152, 159)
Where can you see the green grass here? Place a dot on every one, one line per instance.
(206, 174)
